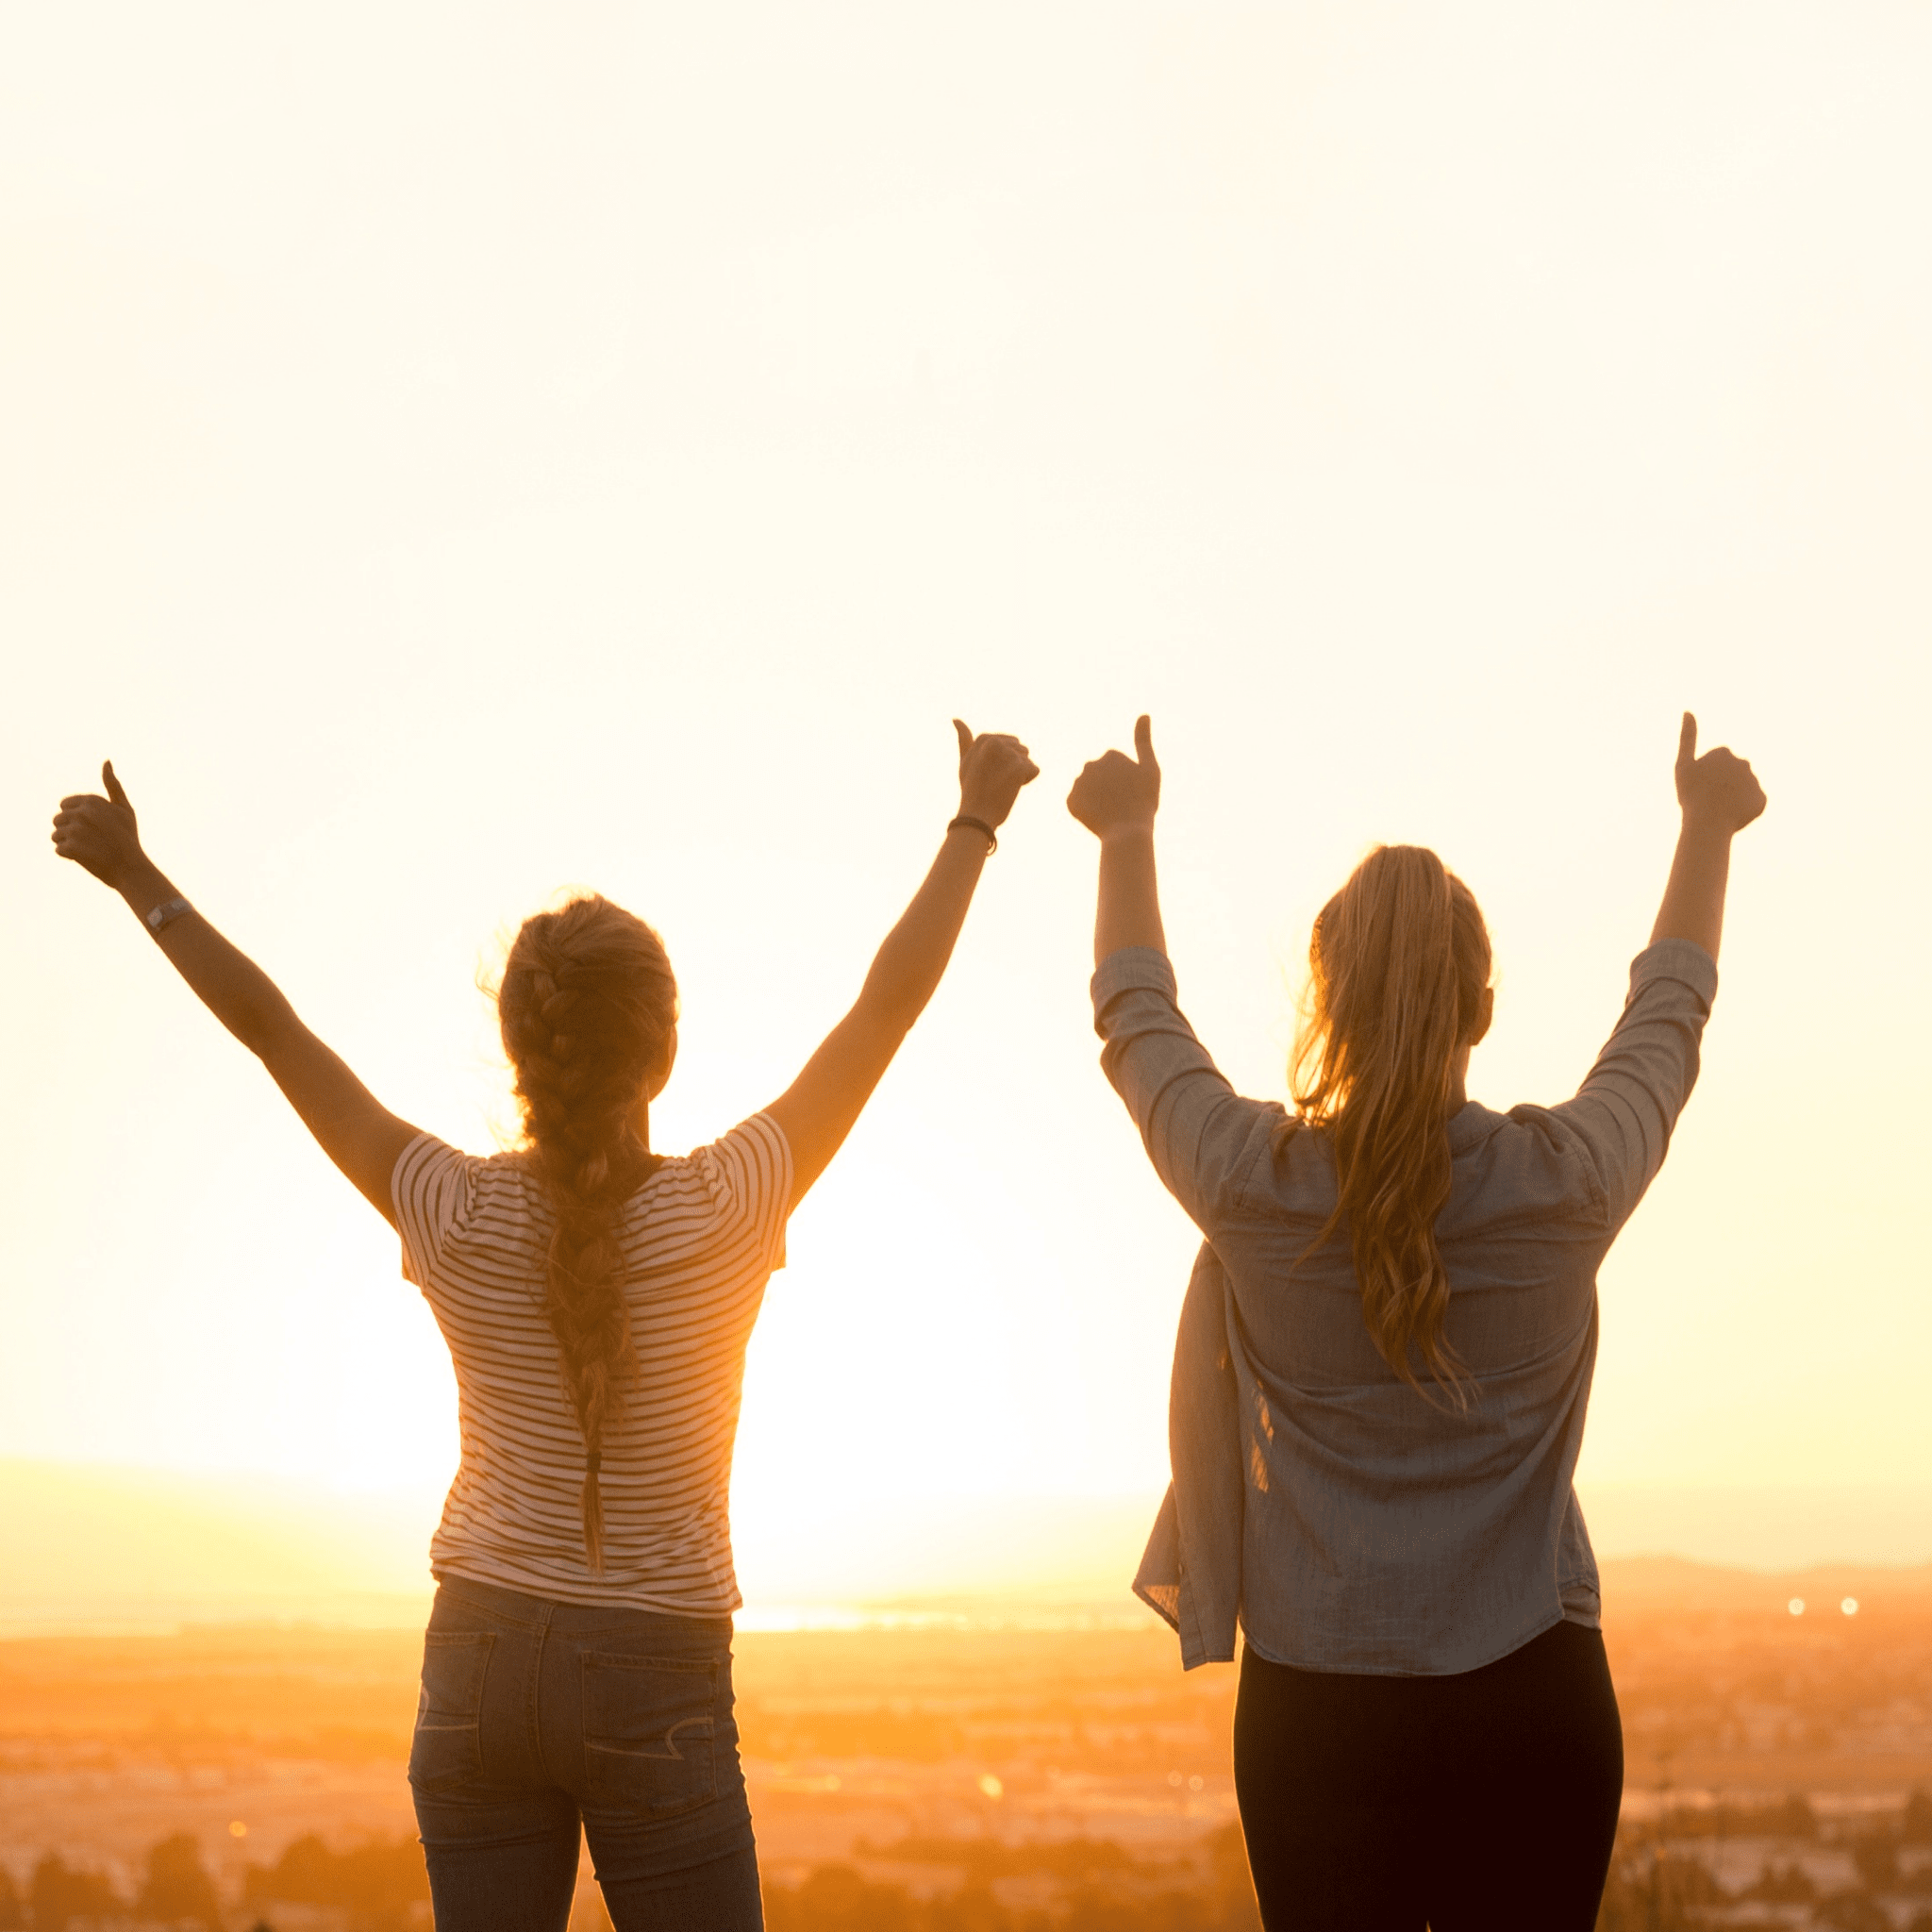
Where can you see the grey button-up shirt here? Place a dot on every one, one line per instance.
(1346, 1520)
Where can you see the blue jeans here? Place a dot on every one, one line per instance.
(536, 1716)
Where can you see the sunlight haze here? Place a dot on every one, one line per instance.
(450, 456)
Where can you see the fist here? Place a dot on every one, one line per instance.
(1719, 789)
(992, 768)
(1115, 793)
(99, 834)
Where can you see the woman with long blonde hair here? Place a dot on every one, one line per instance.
(1381, 1375)
(596, 1296)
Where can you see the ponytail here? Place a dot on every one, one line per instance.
(1399, 964)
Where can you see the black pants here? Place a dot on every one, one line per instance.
(1483, 1802)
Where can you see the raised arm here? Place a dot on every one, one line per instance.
(1116, 797)
(1626, 1110)
(1719, 796)
(1200, 1134)
(354, 1128)
(818, 1109)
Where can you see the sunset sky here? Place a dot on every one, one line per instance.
(451, 454)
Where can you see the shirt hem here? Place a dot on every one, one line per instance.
(558, 1591)
(1335, 1669)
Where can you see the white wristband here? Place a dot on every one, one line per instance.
(166, 913)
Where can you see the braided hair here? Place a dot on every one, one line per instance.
(587, 1007)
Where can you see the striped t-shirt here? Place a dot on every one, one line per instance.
(701, 1237)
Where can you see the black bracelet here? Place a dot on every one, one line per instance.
(992, 844)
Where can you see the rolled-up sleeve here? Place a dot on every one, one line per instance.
(1202, 1137)
(1624, 1110)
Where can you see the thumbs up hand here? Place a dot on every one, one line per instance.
(99, 834)
(992, 767)
(1720, 789)
(1118, 793)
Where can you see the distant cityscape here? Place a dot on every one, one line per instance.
(942, 1777)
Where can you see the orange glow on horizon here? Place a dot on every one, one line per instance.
(430, 507)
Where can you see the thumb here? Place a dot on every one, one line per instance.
(1143, 739)
(1687, 742)
(116, 795)
(965, 737)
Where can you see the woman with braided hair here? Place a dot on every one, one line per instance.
(596, 1297)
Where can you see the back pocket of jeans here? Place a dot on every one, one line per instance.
(650, 1727)
(447, 1747)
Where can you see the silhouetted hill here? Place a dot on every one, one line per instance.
(88, 1545)
(1677, 1583)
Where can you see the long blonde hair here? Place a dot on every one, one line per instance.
(1399, 970)
(587, 1005)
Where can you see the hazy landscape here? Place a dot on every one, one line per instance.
(455, 457)
(956, 1769)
